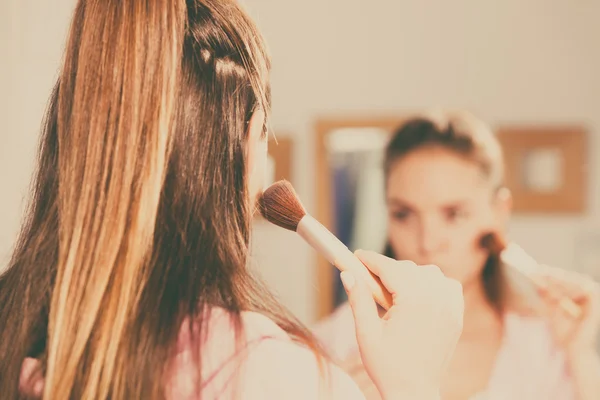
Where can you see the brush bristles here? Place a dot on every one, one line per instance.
(280, 205)
(493, 242)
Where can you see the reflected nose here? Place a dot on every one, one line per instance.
(430, 237)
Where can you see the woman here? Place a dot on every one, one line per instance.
(129, 280)
(444, 193)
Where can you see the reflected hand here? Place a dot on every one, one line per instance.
(575, 335)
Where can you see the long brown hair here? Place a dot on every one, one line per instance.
(463, 134)
(140, 214)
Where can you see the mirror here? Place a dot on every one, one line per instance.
(355, 160)
(350, 193)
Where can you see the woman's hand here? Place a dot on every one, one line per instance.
(576, 335)
(406, 353)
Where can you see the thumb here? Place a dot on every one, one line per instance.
(363, 306)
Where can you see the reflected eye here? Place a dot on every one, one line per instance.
(456, 214)
(400, 215)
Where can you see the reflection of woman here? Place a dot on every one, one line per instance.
(443, 191)
(130, 278)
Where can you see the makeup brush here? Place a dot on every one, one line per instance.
(280, 205)
(518, 259)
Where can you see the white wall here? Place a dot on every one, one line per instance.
(508, 61)
(7, 134)
(35, 39)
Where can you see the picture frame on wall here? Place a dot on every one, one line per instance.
(546, 168)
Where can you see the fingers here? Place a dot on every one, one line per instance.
(403, 278)
(567, 290)
(558, 283)
(387, 269)
(363, 306)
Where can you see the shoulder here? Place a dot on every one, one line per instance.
(277, 367)
(531, 359)
(532, 337)
(532, 332)
(282, 369)
(219, 333)
(255, 325)
(264, 363)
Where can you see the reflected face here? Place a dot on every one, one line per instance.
(439, 205)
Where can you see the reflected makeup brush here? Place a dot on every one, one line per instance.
(519, 260)
(280, 205)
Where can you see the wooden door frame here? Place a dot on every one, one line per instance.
(323, 192)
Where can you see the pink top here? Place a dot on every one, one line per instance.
(528, 366)
(270, 367)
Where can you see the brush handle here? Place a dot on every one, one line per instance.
(336, 252)
(514, 256)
